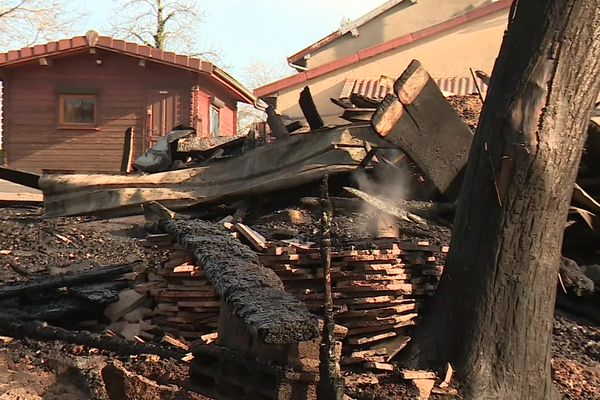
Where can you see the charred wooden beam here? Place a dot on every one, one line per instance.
(127, 159)
(387, 115)
(99, 293)
(309, 109)
(423, 124)
(294, 126)
(361, 101)
(358, 114)
(41, 331)
(252, 292)
(20, 177)
(425, 209)
(574, 280)
(67, 280)
(59, 309)
(344, 103)
(276, 124)
(286, 164)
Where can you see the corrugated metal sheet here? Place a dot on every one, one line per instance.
(460, 86)
(376, 89)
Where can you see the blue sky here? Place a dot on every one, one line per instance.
(251, 31)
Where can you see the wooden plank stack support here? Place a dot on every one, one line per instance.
(187, 305)
(378, 287)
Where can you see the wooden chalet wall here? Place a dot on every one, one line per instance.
(201, 102)
(33, 139)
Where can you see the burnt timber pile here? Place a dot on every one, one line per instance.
(187, 305)
(239, 297)
(377, 291)
(248, 311)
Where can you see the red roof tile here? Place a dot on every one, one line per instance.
(26, 54)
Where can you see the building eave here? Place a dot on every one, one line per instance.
(295, 58)
(382, 48)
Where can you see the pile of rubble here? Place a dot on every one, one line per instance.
(377, 286)
(186, 304)
(236, 287)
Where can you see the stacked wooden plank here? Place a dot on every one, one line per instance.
(186, 303)
(378, 287)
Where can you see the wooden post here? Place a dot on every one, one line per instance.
(310, 110)
(126, 161)
(276, 124)
(330, 385)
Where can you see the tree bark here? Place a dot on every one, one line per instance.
(492, 315)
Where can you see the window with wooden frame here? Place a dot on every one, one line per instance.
(215, 121)
(77, 110)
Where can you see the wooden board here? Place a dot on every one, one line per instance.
(424, 125)
(21, 198)
(293, 162)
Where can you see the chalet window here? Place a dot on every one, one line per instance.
(77, 110)
(215, 121)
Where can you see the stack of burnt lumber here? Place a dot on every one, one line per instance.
(378, 287)
(186, 303)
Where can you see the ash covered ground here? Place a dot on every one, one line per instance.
(32, 369)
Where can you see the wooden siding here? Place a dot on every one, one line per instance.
(227, 117)
(32, 138)
(228, 114)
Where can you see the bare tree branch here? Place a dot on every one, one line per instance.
(13, 9)
(254, 76)
(166, 24)
(24, 22)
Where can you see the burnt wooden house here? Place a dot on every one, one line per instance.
(67, 104)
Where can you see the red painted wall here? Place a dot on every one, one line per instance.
(33, 140)
(202, 102)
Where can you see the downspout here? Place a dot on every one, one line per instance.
(297, 67)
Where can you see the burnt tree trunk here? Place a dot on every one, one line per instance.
(492, 315)
(330, 386)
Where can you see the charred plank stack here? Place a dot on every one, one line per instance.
(252, 293)
(378, 287)
(187, 305)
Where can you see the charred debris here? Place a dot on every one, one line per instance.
(256, 253)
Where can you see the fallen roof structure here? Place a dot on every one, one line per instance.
(284, 164)
(415, 120)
